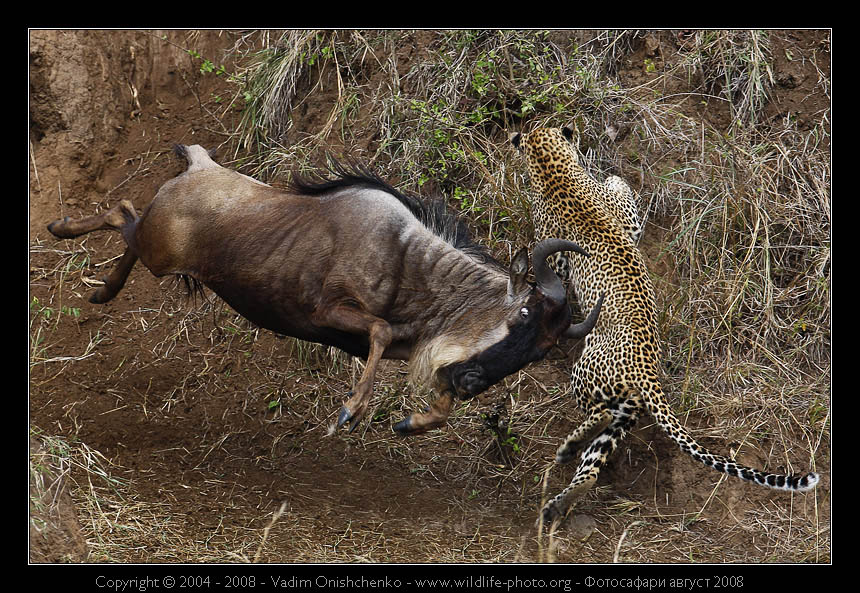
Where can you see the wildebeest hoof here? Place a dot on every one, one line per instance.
(404, 427)
(52, 227)
(345, 416)
(408, 427)
(351, 410)
(416, 424)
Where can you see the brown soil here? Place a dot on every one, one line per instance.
(176, 393)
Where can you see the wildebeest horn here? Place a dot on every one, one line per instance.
(547, 280)
(580, 330)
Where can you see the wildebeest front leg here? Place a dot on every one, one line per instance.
(351, 319)
(435, 416)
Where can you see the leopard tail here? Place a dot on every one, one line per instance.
(656, 405)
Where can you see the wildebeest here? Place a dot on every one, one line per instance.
(348, 261)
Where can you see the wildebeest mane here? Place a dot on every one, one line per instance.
(433, 213)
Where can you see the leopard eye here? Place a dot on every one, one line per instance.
(524, 312)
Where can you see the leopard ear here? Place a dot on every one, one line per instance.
(567, 132)
(515, 138)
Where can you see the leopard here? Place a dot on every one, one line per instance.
(617, 378)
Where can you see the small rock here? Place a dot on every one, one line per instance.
(581, 526)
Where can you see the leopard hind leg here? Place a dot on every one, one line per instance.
(594, 456)
(598, 417)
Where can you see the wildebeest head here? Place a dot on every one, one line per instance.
(537, 316)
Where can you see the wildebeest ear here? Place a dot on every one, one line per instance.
(515, 138)
(518, 273)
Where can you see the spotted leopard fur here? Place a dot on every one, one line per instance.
(618, 375)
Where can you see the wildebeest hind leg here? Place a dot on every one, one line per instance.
(122, 218)
(114, 282)
(117, 218)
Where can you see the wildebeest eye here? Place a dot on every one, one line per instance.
(524, 312)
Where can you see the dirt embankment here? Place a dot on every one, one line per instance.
(101, 101)
(104, 107)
